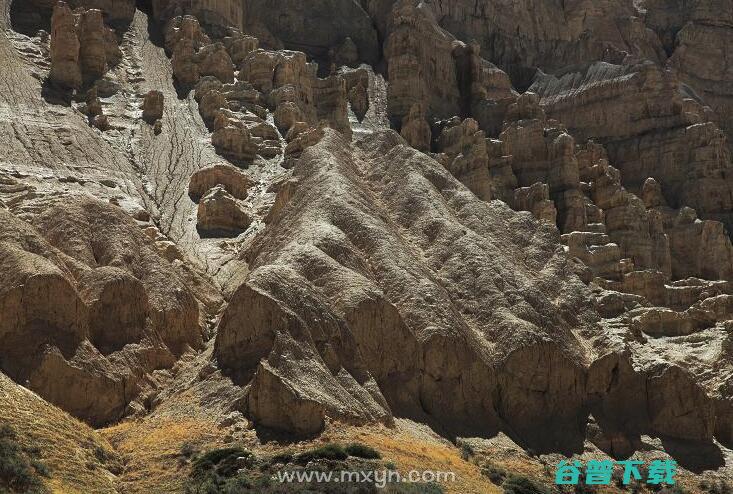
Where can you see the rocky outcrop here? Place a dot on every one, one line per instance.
(65, 69)
(221, 215)
(235, 181)
(298, 26)
(83, 48)
(153, 106)
(308, 312)
(416, 130)
(466, 157)
(650, 121)
(93, 307)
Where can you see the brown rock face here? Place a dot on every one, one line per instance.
(65, 69)
(92, 307)
(650, 120)
(543, 250)
(416, 130)
(92, 49)
(467, 157)
(284, 22)
(235, 181)
(153, 106)
(220, 214)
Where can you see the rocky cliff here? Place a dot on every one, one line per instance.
(485, 217)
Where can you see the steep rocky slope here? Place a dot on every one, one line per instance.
(494, 219)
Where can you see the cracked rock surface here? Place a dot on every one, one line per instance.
(492, 218)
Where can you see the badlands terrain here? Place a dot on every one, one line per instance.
(475, 236)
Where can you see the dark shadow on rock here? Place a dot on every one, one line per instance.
(695, 456)
(281, 438)
(218, 233)
(54, 95)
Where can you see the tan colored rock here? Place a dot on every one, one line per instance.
(214, 60)
(92, 45)
(185, 68)
(185, 27)
(93, 307)
(239, 46)
(232, 139)
(536, 199)
(303, 140)
(211, 104)
(416, 130)
(235, 181)
(220, 214)
(65, 68)
(649, 121)
(153, 106)
(467, 156)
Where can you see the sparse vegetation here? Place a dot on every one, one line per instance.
(495, 474)
(715, 486)
(326, 452)
(237, 471)
(673, 489)
(18, 472)
(519, 484)
(360, 450)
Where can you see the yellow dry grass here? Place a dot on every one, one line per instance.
(152, 451)
(410, 451)
(69, 448)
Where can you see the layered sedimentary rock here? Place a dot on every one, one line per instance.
(698, 38)
(220, 214)
(91, 307)
(507, 262)
(65, 69)
(652, 130)
(234, 180)
(298, 26)
(83, 47)
(345, 300)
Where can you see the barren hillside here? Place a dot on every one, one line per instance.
(470, 235)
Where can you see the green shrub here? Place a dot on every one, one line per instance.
(328, 452)
(467, 450)
(495, 474)
(17, 473)
(285, 457)
(519, 484)
(362, 451)
(221, 462)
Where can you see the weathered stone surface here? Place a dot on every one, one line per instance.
(65, 69)
(467, 158)
(153, 106)
(651, 131)
(232, 139)
(416, 129)
(92, 45)
(299, 26)
(221, 215)
(93, 307)
(235, 181)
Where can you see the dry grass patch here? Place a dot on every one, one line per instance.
(154, 451)
(79, 460)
